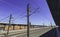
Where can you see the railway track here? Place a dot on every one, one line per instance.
(24, 33)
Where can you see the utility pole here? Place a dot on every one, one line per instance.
(28, 11)
(43, 27)
(51, 24)
(29, 24)
(43, 24)
(9, 25)
(12, 20)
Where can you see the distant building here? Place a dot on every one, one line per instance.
(4, 26)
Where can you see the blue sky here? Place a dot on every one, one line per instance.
(18, 8)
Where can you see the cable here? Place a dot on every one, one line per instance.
(20, 16)
(35, 3)
(34, 11)
(39, 7)
(42, 15)
(4, 18)
(30, 14)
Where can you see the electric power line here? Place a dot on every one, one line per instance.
(4, 18)
(35, 11)
(20, 16)
(29, 15)
(39, 7)
(35, 3)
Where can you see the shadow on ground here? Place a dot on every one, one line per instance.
(51, 33)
